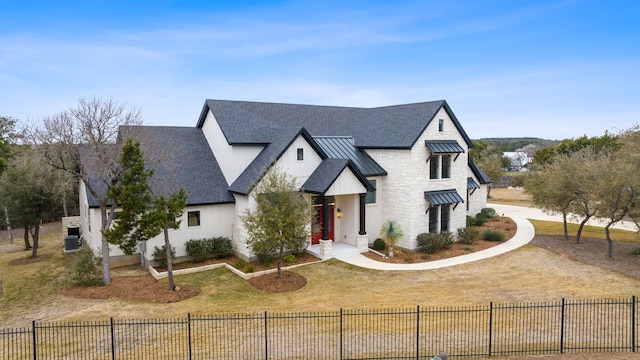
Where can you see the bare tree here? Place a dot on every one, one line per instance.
(81, 141)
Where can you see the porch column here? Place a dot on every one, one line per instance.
(363, 203)
(325, 217)
(362, 240)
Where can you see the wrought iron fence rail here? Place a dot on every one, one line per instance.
(602, 325)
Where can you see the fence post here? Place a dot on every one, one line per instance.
(341, 334)
(562, 327)
(266, 338)
(633, 323)
(113, 341)
(418, 333)
(33, 332)
(189, 333)
(490, 325)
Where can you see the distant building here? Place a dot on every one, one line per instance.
(519, 160)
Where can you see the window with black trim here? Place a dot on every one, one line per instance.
(371, 195)
(433, 219)
(193, 218)
(445, 213)
(446, 166)
(300, 154)
(434, 161)
(441, 125)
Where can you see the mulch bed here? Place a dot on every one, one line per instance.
(271, 283)
(502, 224)
(137, 288)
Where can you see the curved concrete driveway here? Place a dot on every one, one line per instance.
(524, 234)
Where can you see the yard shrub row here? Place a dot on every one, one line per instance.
(202, 249)
(429, 243)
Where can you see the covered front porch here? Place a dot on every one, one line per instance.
(337, 193)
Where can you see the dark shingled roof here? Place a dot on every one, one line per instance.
(393, 127)
(442, 197)
(180, 157)
(328, 171)
(479, 174)
(443, 146)
(343, 148)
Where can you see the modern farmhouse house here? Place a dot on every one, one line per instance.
(358, 167)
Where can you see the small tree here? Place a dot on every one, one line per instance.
(390, 232)
(133, 196)
(280, 221)
(143, 215)
(161, 217)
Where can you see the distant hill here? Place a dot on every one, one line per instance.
(512, 144)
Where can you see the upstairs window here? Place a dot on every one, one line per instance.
(441, 125)
(300, 153)
(434, 161)
(446, 166)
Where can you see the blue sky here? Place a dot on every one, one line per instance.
(549, 69)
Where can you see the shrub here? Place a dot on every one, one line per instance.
(468, 235)
(197, 250)
(240, 264)
(481, 218)
(85, 272)
(492, 235)
(219, 247)
(249, 269)
(289, 259)
(430, 242)
(470, 221)
(379, 244)
(490, 212)
(160, 255)
(635, 251)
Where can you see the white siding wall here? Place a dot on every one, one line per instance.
(373, 212)
(232, 159)
(408, 179)
(301, 170)
(215, 220)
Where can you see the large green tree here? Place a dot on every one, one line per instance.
(280, 221)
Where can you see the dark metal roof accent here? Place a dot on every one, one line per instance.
(388, 127)
(443, 146)
(328, 171)
(341, 147)
(180, 158)
(472, 184)
(478, 173)
(442, 197)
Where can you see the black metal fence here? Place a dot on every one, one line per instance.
(493, 330)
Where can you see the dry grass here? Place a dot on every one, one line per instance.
(552, 228)
(525, 275)
(510, 196)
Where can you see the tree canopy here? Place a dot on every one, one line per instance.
(280, 221)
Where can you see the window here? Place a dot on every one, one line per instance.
(445, 212)
(300, 152)
(440, 125)
(433, 166)
(433, 219)
(193, 218)
(446, 166)
(371, 195)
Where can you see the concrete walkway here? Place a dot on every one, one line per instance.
(524, 234)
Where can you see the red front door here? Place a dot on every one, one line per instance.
(317, 221)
